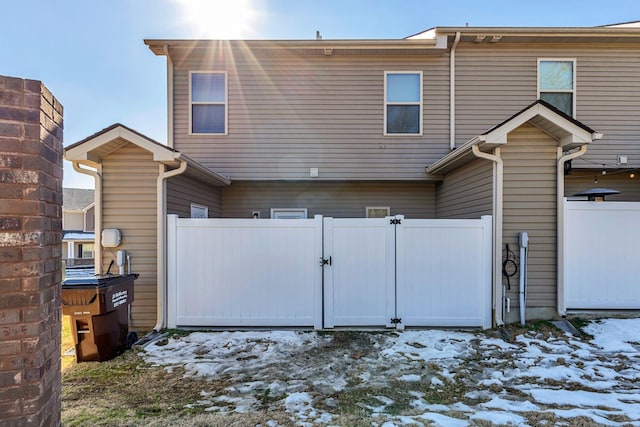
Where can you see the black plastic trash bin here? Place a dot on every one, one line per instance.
(98, 307)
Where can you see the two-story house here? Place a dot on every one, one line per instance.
(449, 123)
(78, 212)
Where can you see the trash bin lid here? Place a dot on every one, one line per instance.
(97, 281)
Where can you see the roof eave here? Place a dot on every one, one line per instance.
(458, 156)
(203, 173)
(158, 46)
(569, 133)
(543, 31)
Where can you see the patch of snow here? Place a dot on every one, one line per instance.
(500, 418)
(300, 405)
(510, 405)
(410, 378)
(440, 420)
(301, 371)
(616, 335)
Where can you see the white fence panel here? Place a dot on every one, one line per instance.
(444, 272)
(359, 282)
(245, 272)
(601, 256)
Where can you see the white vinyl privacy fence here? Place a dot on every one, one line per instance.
(329, 272)
(601, 256)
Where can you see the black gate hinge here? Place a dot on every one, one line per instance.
(396, 221)
(396, 320)
(324, 261)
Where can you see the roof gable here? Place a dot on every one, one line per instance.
(567, 131)
(93, 148)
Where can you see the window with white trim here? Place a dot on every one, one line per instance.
(288, 213)
(208, 102)
(199, 211)
(556, 83)
(403, 102)
(378, 211)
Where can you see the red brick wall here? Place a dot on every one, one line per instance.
(30, 250)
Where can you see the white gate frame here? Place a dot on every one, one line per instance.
(320, 313)
(313, 316)
(388, 279)
(468, 268)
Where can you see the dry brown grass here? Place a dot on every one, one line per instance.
(127, 391)
(66, 343)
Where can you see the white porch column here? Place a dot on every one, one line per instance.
(70, 250)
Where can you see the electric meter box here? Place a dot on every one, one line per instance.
(111, 237)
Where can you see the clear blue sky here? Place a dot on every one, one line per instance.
(90, 53)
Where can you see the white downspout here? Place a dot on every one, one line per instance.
(497, 229)
(169, 97)
(562, 310)
(97, 177)
(452, 93)
(161, 221)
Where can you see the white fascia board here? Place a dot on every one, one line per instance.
(452, 157)
(84, 150)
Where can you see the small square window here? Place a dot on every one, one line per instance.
(198, 211)
(378, 211)
(289, 213)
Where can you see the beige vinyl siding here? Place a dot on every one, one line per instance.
(73, 221)
(629, 188)
(338, 200)
(530, 205)
(129, 204)
(466, 192)
(90, 219)
(494, 81)
(291, 112)
(183, 190)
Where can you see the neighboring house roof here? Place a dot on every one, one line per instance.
(569, 132)
(629, 24)
(625, 32)
(76, 199)
(92, 149)
(78, 235)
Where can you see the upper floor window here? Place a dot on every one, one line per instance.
(208, 98)
(556, 83)
(403, 102)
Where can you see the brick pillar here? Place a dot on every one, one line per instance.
(30, 253)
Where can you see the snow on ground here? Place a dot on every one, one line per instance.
(447, 378)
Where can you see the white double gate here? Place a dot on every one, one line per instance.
(329, 272)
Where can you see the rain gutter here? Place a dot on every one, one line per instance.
(562, 310)
(452, 93)
(161, 219)
(169, 97)
(97, 178)
(498, 175)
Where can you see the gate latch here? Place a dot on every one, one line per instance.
(324, 261)
(396, 320)
(396, 221)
